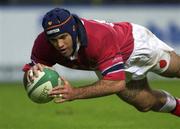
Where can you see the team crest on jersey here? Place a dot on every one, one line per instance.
(49, 23)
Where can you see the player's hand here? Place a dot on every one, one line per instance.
(33, 72)
(63, 92)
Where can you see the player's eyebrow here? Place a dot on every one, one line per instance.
(60, 36)
(63, 35)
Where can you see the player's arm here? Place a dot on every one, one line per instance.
(97, 89)
(100, 88)
(112, 81)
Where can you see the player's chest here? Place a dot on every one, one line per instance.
(84, 63)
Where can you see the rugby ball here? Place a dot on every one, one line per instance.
(38, 89)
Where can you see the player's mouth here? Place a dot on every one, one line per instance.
(63, 51)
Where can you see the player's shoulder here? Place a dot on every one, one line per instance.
(41, 43)
(98, 29)
(95, 24)
(41, 38)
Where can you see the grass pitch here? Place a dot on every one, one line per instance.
(18, 112)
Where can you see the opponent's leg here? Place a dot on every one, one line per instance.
(142, 97)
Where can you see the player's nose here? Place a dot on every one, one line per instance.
(60, 43)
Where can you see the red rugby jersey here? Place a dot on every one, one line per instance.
(108, 46)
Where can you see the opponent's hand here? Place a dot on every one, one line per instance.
(63, 92)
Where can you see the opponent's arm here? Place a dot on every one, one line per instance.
(98, 89)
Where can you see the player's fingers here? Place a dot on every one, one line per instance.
(51, 93)
(60, 82)
(36, 68)
(30, 76)
(57, 92)
(64, 80)
(60, 100)
(35, 71)
(39, 67)
(57, 88)
(56, 96)
(30, 73)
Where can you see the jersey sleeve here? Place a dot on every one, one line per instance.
(113, 68)
(111, 62)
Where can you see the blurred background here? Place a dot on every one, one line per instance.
(86, 2)
(20, 23)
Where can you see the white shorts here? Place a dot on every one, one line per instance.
(149, 54)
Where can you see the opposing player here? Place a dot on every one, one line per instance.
(122, 53)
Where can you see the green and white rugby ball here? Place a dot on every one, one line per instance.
(39, 88)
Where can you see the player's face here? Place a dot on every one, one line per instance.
(63, 43)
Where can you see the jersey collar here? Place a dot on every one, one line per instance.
(75, 55)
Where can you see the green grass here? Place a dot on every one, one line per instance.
(18, 112)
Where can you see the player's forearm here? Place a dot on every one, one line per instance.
(100, 88)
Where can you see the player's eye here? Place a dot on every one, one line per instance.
(63, 36)
(53, 41)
